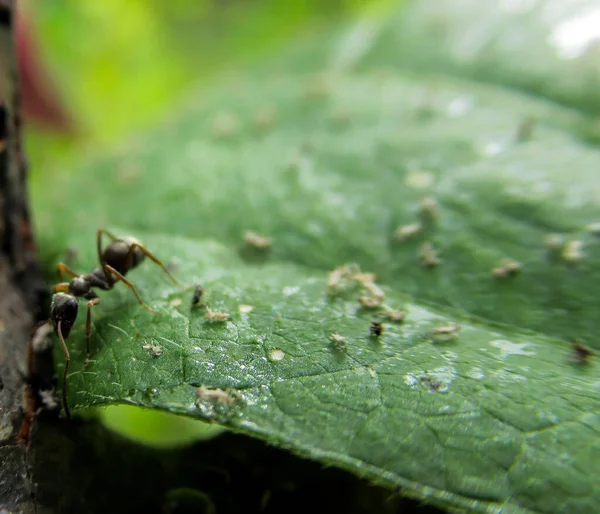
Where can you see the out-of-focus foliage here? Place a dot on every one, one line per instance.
(120, 64)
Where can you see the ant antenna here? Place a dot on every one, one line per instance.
(155, 260)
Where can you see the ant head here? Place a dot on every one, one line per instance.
(64, 309)
(116, 253)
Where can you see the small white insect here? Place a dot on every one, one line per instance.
(216, 317)
(393, 315)
(369, 302)
(573, 252)
(254, 240)
(154, 350)
(446, 332)
(216, 395)
(338, 342)
(406, 232)
(429, 209)
(428, 255)
(373, 289)
(341, 277)
(507, 268)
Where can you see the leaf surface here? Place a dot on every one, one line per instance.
(502, 418)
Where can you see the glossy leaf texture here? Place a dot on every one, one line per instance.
(329, 162)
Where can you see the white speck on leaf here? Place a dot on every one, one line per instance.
(245, 309)
(493, 148)
(175, 302)
(594, 228)
(509, 348)
(476, 374)
(410, 380)
(290, 290)
(276, 354)
(436, 380)
(419, 179)
(449, 356)
(573, 252)
(459, 106)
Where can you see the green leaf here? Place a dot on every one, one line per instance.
(500, 419)
(154, 427)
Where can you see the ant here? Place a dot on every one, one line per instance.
(120, 256)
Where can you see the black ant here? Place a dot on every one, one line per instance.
(119, 257)
(375, 329)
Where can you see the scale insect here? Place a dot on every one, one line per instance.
(119, 257)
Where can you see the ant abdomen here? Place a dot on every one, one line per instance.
(123, 254)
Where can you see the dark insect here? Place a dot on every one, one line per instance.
(198, 293)
(119, 257)
(582, 353)
(376, 328)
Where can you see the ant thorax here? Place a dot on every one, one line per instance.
(80, 287)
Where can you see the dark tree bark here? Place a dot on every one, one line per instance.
(20, 285)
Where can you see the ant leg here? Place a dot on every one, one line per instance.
(147, 253)
(63, 286)
(99, 233)
(63, 268)
(113, 271)
(67, 359)
(88, 329)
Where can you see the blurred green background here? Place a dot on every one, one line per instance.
(120, 66)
